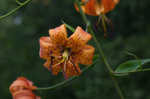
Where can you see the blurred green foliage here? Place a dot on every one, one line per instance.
(19, 48)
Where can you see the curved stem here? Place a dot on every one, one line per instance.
(63, 83)
(100, 51)
(14, 10)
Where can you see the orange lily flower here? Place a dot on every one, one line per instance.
(64, 54)
(22, 89)
(97, 7)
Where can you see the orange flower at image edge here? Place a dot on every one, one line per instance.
(22, 89)
(64, 54)
(97, 7)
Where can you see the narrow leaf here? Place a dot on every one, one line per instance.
(69, 26)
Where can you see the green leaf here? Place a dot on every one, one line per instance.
(131, 66)
(69, 26)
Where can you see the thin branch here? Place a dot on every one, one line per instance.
(16, 9)
(18, 2)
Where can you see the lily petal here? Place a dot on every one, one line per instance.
(47, 63)
(56, 69)
(85, 56)
(47, 48)
(109, 5)
(96, 7)
(58, 35)
(56, 66)
(22, 89)
(72, 69)
(89, 7)
(45, 44)
(78, 39)
(25, 94)
(21, 83)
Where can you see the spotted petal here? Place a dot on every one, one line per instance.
(47, 48)
(55, 66)
(55, 69)
(72, 69)
(45, 44)
(78, 39)
(85, 56)
(58, 35)
(48, 63)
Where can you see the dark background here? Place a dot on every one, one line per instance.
(19, 48)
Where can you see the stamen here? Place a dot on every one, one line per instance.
(74, 66)
(64, 57)
(66, 54)
(60, 62)
(65, 66)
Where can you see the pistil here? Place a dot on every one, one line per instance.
(65, 56)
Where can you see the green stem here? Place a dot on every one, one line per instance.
(100, 50)
(61, 84)
(94, 37)
(101, 53)
(14, 10)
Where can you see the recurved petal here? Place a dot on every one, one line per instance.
(58, 35)
(22, 89)
(48, 63)
(85, 56)
(109, 5)
(20, 84)
(29, 83)
(56, 66)
(45, 44)
(25, 94)
(89, 7)
(56, 69)
(48, 49)
(78, 39)
(72, 69)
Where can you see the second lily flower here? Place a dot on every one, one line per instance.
(97, 7)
